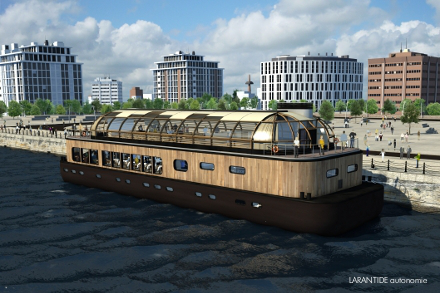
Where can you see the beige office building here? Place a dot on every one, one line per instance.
(404, 75)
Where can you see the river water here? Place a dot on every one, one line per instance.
(59, 237)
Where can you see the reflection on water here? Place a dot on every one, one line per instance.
(59, 237)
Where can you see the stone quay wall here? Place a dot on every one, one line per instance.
(37, 141)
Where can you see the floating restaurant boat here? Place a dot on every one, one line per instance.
(263, 166)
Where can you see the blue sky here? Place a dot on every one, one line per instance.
(123, 39)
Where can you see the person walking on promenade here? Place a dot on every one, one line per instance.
(392, 129)
(402, 136)
(383, 154)
(296, 146)
(380, 136)
(408, 153)
(365, 139)
(394, 143)
(367, 150)
(417, 157)
(418, 135)
(406, 137)
(321, 145)
(343, 139)
(401, 152)
(352, 136)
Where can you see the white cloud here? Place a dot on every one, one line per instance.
(436, 5)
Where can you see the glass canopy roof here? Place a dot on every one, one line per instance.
(235, 129)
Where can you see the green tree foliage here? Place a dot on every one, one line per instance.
(97, 105)
(221, 104)
(14, 109)
(76, 106)
(194, 105)
(372, 107)
(149, 104)
(244, 103)
(389, 107)
(433, 109)
(138, 103)
(205, 99)
(340, 106)
(273, 104)
(420, 103)
(228, 98)
(235, 97)
(117, 105)
(166, 104)
(403, 104)
(182, 104)
(254, 102)
(3, 108)
(233, 106)
(362, 104)
(158, 103)
(128, 104)
(60, 110)
(212, 104)
(26, 106)
(174, 106)
(105, 108)
(326, 111)
(355, 109)
(35, 110)
(87, 108)
(410, 115)
(44, 105)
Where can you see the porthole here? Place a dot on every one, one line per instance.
(240, 202)
(98, 176)
(157, 186)
(256, 205)
(74, 171)
(211, 196)
(198, 194)
(127, 181)
(81, 172)
(66, 170)
(170, 189)
(146, 184)
(118, 179)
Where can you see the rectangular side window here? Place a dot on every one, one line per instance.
(332, 173)
(237, 170)
(207, 166)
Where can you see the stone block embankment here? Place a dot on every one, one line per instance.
(421, 192)
(46, 144)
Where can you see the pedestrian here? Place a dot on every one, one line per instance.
(401, 152)
(406, 137)
(321, 145)
(394, 144)
(352, 136)
(383, 154)
(392, 129)
(417, 157)
(296, 146)
(380, 136)
(367, 150)
(343, 139)
(408, 153)
(365, 139)
(418, 135)
(402, 136)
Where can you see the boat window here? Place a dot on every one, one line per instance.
(157, 186)
(116, 160)
(332, 173)
(207, 166)
(126, 161)
(237, 170)
(180, 165)
(106, 159)
(212, 196)
(76, 154)
(352, 168)
(240, 202)
(115, 124)
(147, 164)
(128, 124)
(85, 156)
(118, 179)
(198, 194)
(98, 176)
(170, 189)
(127, 181)
(146, 184)
(284, 132)
(94, 157)
(137, 163)
(157, 165)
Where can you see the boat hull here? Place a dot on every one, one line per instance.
(330, 215)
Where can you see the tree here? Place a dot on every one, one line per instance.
(389, 107)
(158, 103)
(87, 108)
(76, 106)
(361, 104)
(97, 105)
(411, 115)
(221, 104)
(139, 104)
(355, 109)
(3, 108)
(212, 104)
(26, 106)
(228, 98)
(14, 109)
(194, 105)
(60, 110)
(174, 106)
(233, 106)
(326, 111)
(235, 97)
(372, 107)
(254, 102)
(105, 108)
(35, 110)
(340, 106)
(420, 104)
(433, 109)
(182, 104)
(166, 104)
(117, 105)
(149, 104)
(244, 103)
(403, 104)
(273, 104)
(44, 105)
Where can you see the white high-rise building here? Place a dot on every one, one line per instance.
(107, 90)
(311, 78)
(183, 76)
(47, 71)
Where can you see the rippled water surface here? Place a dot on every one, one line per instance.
(59, 237)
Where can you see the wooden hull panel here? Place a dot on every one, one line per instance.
(329, 215)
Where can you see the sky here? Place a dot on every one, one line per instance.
(123, 39)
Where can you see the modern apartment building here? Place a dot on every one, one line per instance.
(136, 93)
(183, 75)
(107, 90)
(311, 78)
(404, 75)
(47, 71)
